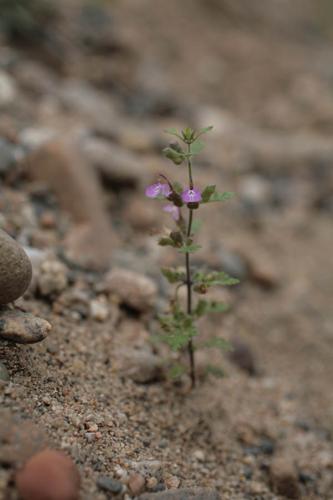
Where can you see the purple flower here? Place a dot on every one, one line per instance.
(191, 195)
(173, 211)
(157, 189)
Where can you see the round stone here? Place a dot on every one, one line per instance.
(15, 269)
(48, 475)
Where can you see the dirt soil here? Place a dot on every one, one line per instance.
(262, 76)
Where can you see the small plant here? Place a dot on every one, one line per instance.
(179, 326)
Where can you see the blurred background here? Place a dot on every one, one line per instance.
(87, 88)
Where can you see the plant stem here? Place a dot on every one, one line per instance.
(188, 279)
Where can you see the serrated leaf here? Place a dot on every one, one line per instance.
(214, 278)
(220, 196)
(207, 193)
(189, 248)
(204, 130)
(173, 275)
(173, 131)
(209, 306)
(196, 147)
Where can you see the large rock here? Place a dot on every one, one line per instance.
(49, 475)
(15, 269)
(64, 170)
(131, 288)
(22, 328)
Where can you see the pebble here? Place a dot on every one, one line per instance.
(108, 484)
(22, 328)
(183, 494)
(52, 277)
(172, 482)
(141, 366)
(15, 269)
(99, 309)
(133, 289)
(4, 375)
(284, 478)
(136, 484)
(48, 475)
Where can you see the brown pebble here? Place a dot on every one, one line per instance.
(284, 478)
(136, 483)
(15, 269)
(21, 327)
(49, 475)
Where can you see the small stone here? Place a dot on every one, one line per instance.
(99, 309)
(183, 494)
(52, 278)
(4, 375)
(199, 455)
(284, 478)
(172, 482)
(15, 269)
(133, 289)
(22, 328)
(152, 482)
(108, 484)
(49, 475)
(136, 484)
(141, 366)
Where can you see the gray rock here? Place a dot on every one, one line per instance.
(131, 288)
(108, 484)
(183, 494)
(4, 375)
(15, 269)
(22, 328)
(116, 165)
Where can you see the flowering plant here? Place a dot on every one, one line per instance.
(178, 326)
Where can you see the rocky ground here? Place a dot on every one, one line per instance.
(81, 128)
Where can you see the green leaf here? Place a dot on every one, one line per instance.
(174, 154)
(188, 134)
(217, 343)
(173, 275)
(196, 147)
(214, 278)
(173, 131)
(189, 248)
(220, 196)
(210, 306)
(179, 328)
(207, 193)
(204, 131)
